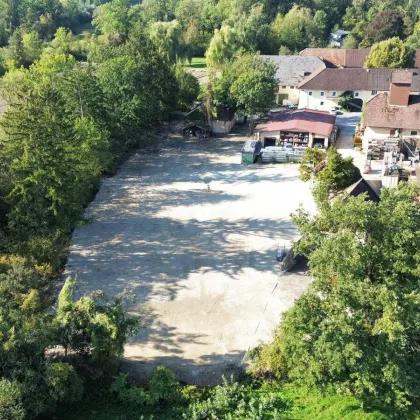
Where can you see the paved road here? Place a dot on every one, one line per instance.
(201, 261)
(347, 123)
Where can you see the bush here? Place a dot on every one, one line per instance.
(65, 386)
(237, 401)
(163, 386)
(11, 407)
(129, 395)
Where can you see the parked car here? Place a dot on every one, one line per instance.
(292, 106)
(334, 110)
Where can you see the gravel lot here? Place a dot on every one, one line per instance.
(193, 233)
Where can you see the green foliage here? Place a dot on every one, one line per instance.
(94, 324)
(188, 86)
(63, 382)
(166, 36)
(11, 407)
(247, 84)
(392, 53)
(222, 47)
(385, 25)
(313, 161)
(355, 327)
(113, 18)
(163, 386)
(345, 100)
(233, 401)
(331, 172)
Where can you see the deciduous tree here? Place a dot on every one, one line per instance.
(392, 53)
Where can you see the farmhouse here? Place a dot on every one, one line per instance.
(291, 70)
(300, 128)
(321, 91)
(395, 113)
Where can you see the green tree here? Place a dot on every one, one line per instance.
(386, 24)
(222, 46)
(413, 41)
(188, 86)
(94, 324)
(113, 18)
(167, 37)
(253, 84)
(64, 384)
(356, 327)
(392, 53)
(11, 407)
(297, 29)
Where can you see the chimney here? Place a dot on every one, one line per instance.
(399, 91)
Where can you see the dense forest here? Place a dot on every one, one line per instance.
(86, 83)
(181, 29)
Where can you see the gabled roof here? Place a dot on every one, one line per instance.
(356, 79)
(339, 57)
(311, 121)
(337, 79)
(360, 187)
(378, 113)
(291, 69)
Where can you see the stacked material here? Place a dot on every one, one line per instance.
(274, 154)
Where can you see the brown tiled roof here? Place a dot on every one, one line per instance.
(403, 76)
(311, 121)
(339, 57)
(347, 58)
(356, 79)
(337, 79)
(379, 113)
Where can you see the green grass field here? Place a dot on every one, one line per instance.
(198, 63)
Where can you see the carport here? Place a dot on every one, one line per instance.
(301, 128)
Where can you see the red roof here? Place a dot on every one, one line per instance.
(306, 120)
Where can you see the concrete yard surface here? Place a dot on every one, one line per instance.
(193, 233)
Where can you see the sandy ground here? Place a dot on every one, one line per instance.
(193, 233)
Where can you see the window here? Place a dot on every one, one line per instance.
(392, 132)
(374, 92)
(322, 103)
(413, 133)
(334, 93)
(356, 94)
(284, 87)
(322, 93)
(310, 93)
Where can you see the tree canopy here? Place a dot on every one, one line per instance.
(356, 327)
(392, 53)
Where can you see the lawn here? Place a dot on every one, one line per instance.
(198, 63)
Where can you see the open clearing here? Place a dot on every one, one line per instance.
(200, 260)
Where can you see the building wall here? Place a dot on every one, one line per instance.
(329, 98)
(222, 127)
(276, 135)
(292, 93)
(377, 133)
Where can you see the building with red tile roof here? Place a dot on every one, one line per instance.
(302, 127)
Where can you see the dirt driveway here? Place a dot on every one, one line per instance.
(193, 233)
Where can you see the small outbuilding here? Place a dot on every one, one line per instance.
(297, 128)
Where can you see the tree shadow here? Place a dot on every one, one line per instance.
(176, 221)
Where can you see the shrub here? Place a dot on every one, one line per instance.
(11, 407)
(163, 386)
(65, 386)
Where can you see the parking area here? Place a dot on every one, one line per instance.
(193, 233)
